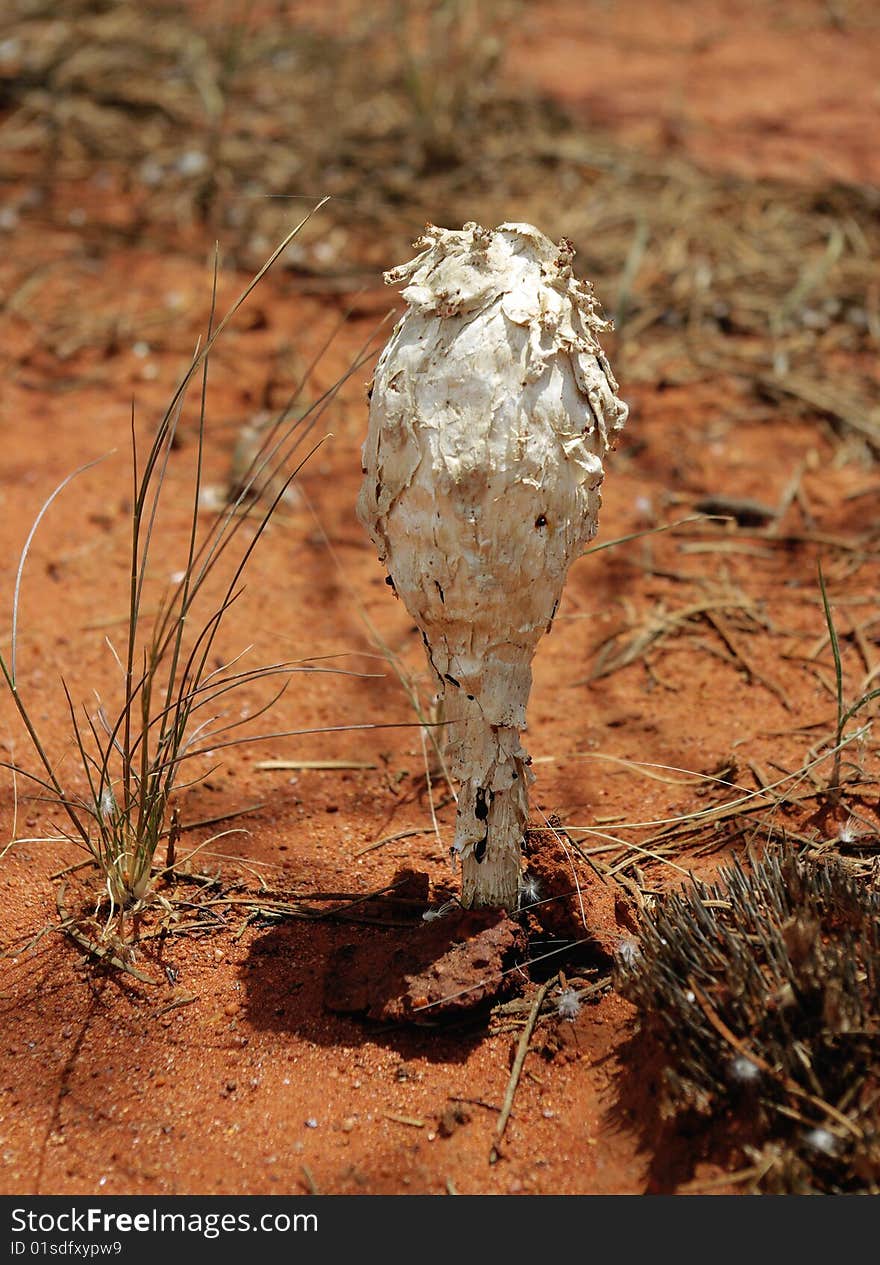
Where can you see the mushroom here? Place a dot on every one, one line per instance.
(491, 408)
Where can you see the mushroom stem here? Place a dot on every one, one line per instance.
(491, 409)
(494, 881)
(491, 869)
(493, 807)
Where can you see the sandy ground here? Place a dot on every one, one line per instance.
(236, 1069)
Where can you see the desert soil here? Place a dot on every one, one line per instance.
(279, 1054)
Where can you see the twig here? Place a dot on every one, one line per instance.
(754, 1174)
(474, 1102)
(173, 1005)
(310, 1183)
(212, 821)
(71, 869)
(380, 843)
(516, 1071)
(741, 657)
(101, 951)
(270, 765)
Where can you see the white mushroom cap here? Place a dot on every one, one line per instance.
(492, 407)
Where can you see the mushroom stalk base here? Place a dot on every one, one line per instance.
(493, 811)
(494, 882)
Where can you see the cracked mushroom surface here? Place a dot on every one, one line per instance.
(492, 407)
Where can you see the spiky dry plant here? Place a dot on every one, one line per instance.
(762, 992)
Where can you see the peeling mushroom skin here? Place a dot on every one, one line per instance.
(492, 407)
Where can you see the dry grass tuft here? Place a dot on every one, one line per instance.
(761, 991)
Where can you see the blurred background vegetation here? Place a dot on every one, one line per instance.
(170, 126)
